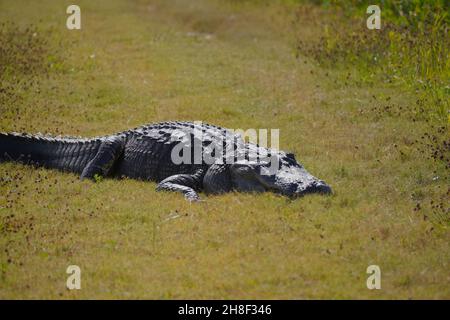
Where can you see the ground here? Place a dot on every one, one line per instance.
(230, 64)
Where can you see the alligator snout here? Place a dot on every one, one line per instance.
(315, 187)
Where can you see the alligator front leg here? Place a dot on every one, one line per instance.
(217, 179)
(187, 184)
(107, 154)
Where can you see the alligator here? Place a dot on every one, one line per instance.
(213, 159)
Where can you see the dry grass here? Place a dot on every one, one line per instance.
(233, 65)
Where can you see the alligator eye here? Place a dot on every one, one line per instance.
(290, 155)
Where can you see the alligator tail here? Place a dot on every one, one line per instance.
(67, 154)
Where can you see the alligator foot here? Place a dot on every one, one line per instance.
(185, 183)
(104, 160)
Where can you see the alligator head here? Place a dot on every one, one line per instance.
(288, 178)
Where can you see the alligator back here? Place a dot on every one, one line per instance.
(149, 149)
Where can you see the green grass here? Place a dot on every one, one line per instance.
(232, 64)
(412, 47)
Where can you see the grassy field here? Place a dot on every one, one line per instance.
(232, 64)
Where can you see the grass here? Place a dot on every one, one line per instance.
(412, 47)
(232, 64)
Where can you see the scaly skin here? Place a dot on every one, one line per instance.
(146, 153)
